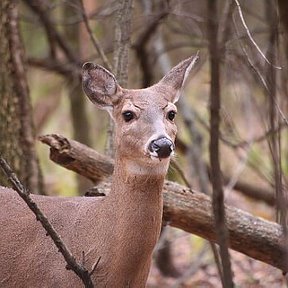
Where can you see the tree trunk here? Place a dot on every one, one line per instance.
(120, 57)
(80, 123)
(17, 137)
(283, 11)
(216, 180)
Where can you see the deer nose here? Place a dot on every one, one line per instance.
(163, 147)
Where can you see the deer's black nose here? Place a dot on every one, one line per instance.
(162, 146)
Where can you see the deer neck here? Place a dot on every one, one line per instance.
(137, 205)
(139, 184)
(138, 198)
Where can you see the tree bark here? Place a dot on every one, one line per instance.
(79, 158)
(183, 208)
(16, 127)
(120, 57)
(283, 12)
(216, 177)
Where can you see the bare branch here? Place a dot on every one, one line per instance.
(250, 36)
(257, 193)
(39, 9)
(56, 66)
(95, 266)
(141, 51)
(225, 23)
(181, 173)
(93, 38)
(261, 78)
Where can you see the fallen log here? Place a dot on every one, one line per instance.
(79, 158)
(183, 208)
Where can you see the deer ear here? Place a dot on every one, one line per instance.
(100, 85)
(176, 77)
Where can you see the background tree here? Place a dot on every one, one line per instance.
(16, 127)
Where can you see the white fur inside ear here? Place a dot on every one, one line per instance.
(186, 74)
(109, 109)
(191, 65)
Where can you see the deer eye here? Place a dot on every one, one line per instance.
(128, 116)
(171, 115)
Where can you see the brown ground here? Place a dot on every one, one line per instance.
(194, 258)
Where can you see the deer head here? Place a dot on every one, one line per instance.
(144, 118)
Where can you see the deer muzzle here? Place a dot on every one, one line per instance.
(161, 148)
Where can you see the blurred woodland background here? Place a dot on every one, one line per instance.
(242, 74)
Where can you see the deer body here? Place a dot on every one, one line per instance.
(122, 232)
(121, 228)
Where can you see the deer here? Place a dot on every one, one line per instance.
(122, 228)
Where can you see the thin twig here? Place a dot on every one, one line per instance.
(261, 78)
(237, 172)
(140, 47)
(56, 66)
(93, 38)
(181, 173)
(217, 258)
(257, 139)
(250, 36)
(94, 266)
(79, 270)
(38, 7)
(225, 24)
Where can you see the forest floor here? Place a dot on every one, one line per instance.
(193, 257)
